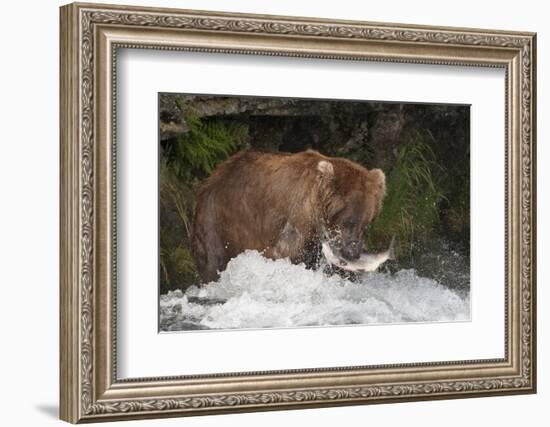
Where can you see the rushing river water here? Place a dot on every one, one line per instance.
(255, 292)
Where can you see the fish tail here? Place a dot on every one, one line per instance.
(391, 249)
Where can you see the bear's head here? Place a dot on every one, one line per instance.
(351, 198)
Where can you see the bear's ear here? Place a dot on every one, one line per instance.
(379, 178)
(326, 169)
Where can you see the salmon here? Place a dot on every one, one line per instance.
(366, 262)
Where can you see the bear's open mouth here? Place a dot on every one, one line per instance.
(332, 256)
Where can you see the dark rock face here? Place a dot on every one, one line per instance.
(333, 127)
(171, 120)
(283, 124)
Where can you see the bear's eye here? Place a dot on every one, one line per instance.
(349, 223)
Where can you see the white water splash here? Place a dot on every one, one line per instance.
(256, 292)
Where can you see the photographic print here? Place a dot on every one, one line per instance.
(292, 212)
(225, 186)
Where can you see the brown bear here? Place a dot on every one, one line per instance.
(283, 205)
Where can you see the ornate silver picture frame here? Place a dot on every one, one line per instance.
(91, 36)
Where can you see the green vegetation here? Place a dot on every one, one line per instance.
(185, 160)
(411, 208)
(176, 208)
(196, 153)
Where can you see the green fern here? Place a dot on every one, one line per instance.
(185, 160)
(205, 145)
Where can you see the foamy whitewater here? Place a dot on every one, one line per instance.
(256, 292)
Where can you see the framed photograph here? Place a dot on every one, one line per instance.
(267, 212)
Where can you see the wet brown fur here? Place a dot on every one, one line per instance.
(280, 204)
